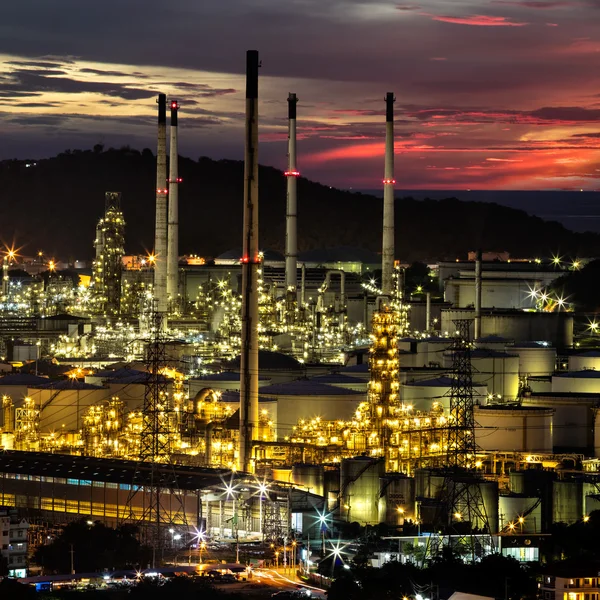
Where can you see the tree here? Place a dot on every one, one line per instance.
(9, 588)
(95, 547)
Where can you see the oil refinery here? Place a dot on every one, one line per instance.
(272, 397)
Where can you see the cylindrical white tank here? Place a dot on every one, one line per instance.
(360, 488)
(435, 350)
(282, 474)
(585, 360)
(422, 394)
(597, 433)
(498, 370)
(535, 359)
(514, 429)
(567, 506)
(513, 507)
(428, 483)
(578, 382)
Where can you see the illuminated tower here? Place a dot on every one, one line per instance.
(173, 224)
(108, 264)
(291, 236)
(385, 379)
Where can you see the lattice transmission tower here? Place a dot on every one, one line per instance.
(462, 515)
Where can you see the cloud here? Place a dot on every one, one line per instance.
(107, 73)
(477, 20)
(29, 82)
(538, 4)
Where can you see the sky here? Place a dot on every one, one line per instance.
(490, 94)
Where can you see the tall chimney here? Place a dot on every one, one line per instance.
(160, 234)
(173, 229)
(478, 282)
(5, 278)
(428, 312)
(250, 264)
(387, 261)
(291, 229)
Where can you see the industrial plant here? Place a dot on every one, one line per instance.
(266, 397)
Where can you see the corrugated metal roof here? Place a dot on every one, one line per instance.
(305, 387)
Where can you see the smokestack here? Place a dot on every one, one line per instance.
(250, 264)
(160, 235)
(387, 261)
(173, 229)
(478, 282)
(428, 311)
(5, 278)
(291, 241)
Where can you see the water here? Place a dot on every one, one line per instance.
(577, 211)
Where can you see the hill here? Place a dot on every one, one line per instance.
(56, 204)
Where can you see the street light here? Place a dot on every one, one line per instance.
(521, 521)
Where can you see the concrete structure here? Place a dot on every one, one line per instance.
(499, 371)
(173, 221)
(160, 232)
(387, 255)
(250, 266)
(14, 546)
(291, 229)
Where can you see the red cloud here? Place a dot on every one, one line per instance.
(477, 20)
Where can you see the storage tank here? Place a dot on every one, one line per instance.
(535, 483)
(514, 428)
(397, 499)
(311, 477)
(360, 489)
(436, 347)
(513, 507)
(585, 360)
(567, 502)
(535, 359)
(498, 370)
(577, 382)
(592, 503)
(422, 394)
(489, 493)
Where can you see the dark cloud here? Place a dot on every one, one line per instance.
(36, 64)
(106, 72)
(27, 82)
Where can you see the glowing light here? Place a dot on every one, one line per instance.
(292, 173)
(388, 181)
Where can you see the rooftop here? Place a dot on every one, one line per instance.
(270, 360)
(306, 387)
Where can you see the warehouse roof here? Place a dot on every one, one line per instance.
(69, 384)
(363, 368)
(225, 376)
(233, 396)
(270, 360)
(22, 379)
(305, 387)
(118, 373)
(91, 468)
(337, 378)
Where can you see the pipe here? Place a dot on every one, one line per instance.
(428, 311)
(250, 265)
(478, 282)
(303, 286)
(291, 230)
(160, 235)
(387, 260)
(173, 224)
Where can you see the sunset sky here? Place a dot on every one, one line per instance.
(491, 94)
